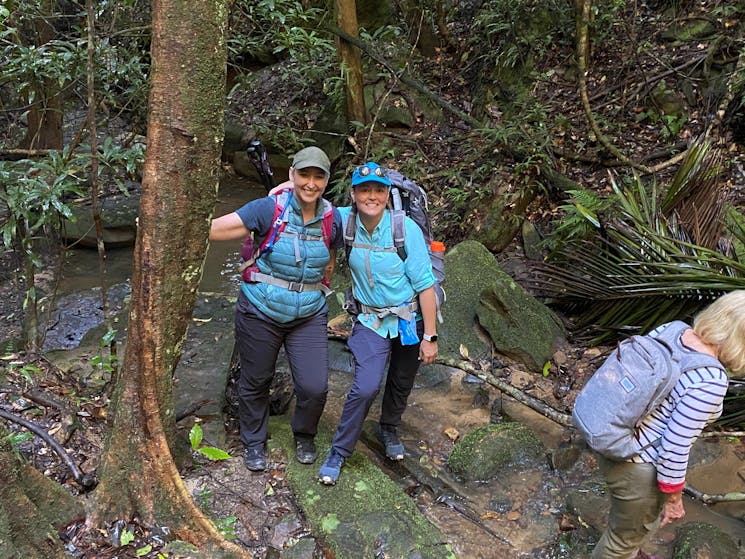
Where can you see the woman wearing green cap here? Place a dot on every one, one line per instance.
(282, 301)
(396, 320)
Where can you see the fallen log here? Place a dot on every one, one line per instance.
(540, 406)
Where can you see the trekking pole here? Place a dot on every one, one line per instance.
(257, 155)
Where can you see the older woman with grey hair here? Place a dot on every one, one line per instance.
(647, 489)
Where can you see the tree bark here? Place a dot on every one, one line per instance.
(45, 112)
(138, 475)
(32, 509)
(346, 17)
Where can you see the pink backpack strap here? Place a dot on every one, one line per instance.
(327, 223)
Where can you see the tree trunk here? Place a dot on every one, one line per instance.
(346, 17)
(138, 475)
(45, 112)
(32, 509)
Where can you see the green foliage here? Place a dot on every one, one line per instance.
(16, 439)
(195, 439)
(104, 363)
(285, 28)
(126, 537)
(507, 32)
(58, 62)
(226, 526)
(606, 15)
(670, 125)
(36, 192)
(265, 31)
(579, 220)
(640, 269)
(37, 66)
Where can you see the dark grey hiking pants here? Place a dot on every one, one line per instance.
(306, 345)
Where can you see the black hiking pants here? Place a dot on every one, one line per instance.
(306, 345)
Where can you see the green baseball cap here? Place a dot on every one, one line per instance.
(312, 157)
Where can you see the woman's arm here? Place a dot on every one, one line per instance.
(227, 227)
(329, 270)
(428, 308)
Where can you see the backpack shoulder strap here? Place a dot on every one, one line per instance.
(282, 200)
(687, 361)
(327, 222)
(398, 230)
(350, 230)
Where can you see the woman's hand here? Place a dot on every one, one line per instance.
(427, 352)
(673, 509)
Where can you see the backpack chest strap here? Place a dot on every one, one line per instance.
(296, 286)
(297, 237)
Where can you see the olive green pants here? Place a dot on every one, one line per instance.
(635, 504)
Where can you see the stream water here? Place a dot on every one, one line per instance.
(510, 517)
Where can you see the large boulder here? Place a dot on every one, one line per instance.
(469, 269)
(118, 214)
(494, 450)
(520, 327)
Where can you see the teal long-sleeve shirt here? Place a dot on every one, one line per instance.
(388, 281)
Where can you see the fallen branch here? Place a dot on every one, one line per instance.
(710, 434)
(541, 407)
(713, 499)
(85, 480)
(411, 82)
(16, 154)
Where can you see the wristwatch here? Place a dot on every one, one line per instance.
(428, 338)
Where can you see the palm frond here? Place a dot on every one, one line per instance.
(645, 267)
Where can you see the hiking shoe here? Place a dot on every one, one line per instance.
(394, 449)
(329, 472)
(305, 450)
(254, 459)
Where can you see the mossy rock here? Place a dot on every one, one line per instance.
(365, 514)
(521, 327)
(689, 30)
(469, 269)
(118, 215)
(698, 540)
(488, 451)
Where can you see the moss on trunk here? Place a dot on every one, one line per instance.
(33, 510)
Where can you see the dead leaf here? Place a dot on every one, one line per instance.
(452, 433)
(463, 351)
(513, 515)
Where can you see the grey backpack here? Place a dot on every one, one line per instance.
(632, 382)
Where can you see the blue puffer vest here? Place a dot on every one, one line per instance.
(296, 259)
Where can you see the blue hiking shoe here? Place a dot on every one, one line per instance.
(329, 472)
(394, 449)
